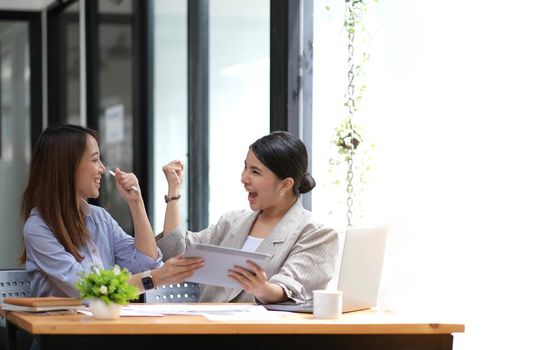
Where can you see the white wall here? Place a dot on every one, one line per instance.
(462, 109)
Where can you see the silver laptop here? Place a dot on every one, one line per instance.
(359, 272)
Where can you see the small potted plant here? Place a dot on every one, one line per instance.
(107, 291)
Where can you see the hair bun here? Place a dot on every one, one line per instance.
(307, 184)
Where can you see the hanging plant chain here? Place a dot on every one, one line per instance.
(350, 19)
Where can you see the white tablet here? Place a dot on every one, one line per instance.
(218, 262)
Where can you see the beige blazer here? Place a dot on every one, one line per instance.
(304, 252)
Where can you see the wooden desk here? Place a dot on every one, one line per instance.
(356, 330)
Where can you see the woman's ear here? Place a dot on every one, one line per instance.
(287, 185)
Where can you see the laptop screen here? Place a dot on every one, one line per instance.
(360, 271)
(361, 267)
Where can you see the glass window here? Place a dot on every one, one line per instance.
(330, 199)
(170, 99)
(116, 100)
(71, 68)
(15, 140)
(239, 95)
(64, 72)
(328, 110)
(462, 113)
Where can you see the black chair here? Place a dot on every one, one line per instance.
(173, 293)
(14, 283)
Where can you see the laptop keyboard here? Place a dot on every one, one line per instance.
(306, 307)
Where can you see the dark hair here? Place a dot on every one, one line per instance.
(51, 187)
(285, 155)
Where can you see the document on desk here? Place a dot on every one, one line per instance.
(213, 312)
(127, 311)
(190, 308)
(255, 314)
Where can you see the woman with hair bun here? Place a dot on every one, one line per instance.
(303, 250)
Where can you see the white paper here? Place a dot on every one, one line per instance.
(257, 314)
(213, 312)
(193, 308)
(127, 312)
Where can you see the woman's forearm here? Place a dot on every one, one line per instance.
(273, 293)
(174, 270)
(144, 238)
(172, 211)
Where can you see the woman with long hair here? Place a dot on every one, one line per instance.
(65, 236)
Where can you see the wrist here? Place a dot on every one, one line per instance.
(136, 202)
(147, 281)
(169, 198)
(173, 190)
(156, 278)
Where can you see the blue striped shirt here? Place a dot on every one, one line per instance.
(54, 271)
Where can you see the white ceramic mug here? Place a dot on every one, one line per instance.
(328, 303)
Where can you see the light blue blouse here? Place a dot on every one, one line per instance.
(54, 271)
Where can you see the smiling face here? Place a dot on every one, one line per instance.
(263, 186)
(89, 171)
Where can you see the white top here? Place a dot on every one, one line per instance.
(251, 243)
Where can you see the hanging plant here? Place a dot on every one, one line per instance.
(349, 138)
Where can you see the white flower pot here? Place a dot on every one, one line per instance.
(102, 311)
